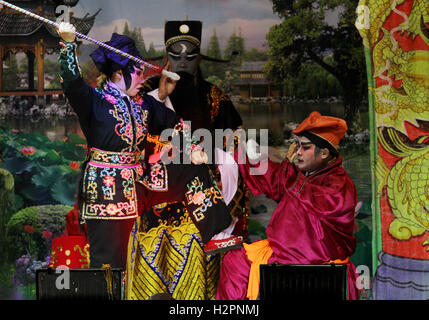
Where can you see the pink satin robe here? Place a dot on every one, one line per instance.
(312, 223)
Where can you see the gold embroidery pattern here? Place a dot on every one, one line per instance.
(215, 97)
(91, 189)
(159, 144)
(118, 210)
(114, 158)
(84, 260)
(106, 173)
(108, 186)
(184, 38)
(157, 179)
(201, 198)
(170, 259)
(54, 256)
(131, 123)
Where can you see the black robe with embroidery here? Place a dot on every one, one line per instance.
(206, 106)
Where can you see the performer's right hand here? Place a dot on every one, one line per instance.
(67, 32)
(166, 85)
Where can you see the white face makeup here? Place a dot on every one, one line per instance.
(183, 57)
(307, 160)
(137, 78)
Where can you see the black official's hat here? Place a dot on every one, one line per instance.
(188, 30)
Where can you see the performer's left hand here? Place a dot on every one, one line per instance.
(166, 85)
(291, 153)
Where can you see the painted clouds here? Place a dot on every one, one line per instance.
(253, 17)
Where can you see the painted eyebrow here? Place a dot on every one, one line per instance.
(136, 69)
(183, 50)
(178, 54)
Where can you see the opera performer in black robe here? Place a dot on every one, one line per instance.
(165, 233)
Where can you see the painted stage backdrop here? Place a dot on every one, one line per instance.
(396, 41)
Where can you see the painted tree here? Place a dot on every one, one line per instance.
(137, 36)
(254, 54)
(235, 44)
(306, 34)
(126, 31)
(11, 79)
(152, 52)
(214, 68)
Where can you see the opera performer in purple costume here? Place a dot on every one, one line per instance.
(116, 183)
(313, 221)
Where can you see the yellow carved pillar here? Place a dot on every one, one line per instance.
(40, 67)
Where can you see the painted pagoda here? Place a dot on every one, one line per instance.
(21, 33)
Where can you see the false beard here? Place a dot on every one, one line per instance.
(186, 81)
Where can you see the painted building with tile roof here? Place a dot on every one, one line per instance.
(22, 33)
(252, 82)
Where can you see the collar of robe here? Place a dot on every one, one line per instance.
(332, 163)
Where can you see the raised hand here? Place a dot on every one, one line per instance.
(291, 153)
(166, 84)
(67, 32)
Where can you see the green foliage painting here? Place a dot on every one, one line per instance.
(45, 171)
(307, 34)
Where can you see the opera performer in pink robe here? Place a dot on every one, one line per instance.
(313, 221)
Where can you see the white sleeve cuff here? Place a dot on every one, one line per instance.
(166, 102)
(252, 149)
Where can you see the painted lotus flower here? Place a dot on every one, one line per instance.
(29, 229)
(74, 165)
(46, 234)
(28, 151)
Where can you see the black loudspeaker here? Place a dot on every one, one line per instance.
(296, 282)
(77, 284)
